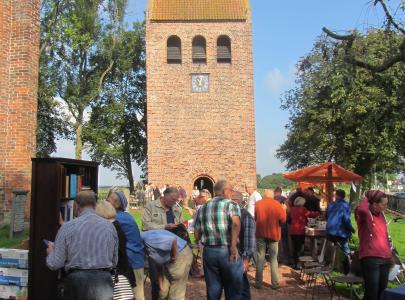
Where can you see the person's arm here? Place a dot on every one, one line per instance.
(347, 222)
(234, 237)
(197, 226)
(361, 211)
(116, 244)
(173, 251)
(283, 214)
(147, 223)
(249, 242)
(57, 252)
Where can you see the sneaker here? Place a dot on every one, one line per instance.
(275, 286)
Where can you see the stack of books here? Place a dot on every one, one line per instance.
(13, 273)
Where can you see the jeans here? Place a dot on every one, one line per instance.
(220, 273)
(245, 288)
(261, 244)
(344, 246)
(284, 255)
(375, 273)
(298, 242)
(88, 285)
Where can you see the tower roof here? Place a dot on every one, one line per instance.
(195, 10)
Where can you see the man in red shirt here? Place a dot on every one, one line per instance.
(269, 216)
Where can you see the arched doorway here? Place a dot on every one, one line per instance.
(205, 182)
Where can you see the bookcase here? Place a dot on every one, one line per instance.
(55, 182)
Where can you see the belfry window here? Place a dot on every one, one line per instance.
(224, 54)
(174, 50)
(199, 50)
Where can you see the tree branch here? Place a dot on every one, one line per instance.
(390, 18)
(348, 37)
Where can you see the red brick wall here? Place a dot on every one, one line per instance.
(191, 134)
(19, 40)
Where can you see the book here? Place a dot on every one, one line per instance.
(73, 185)
(79, 183)
(67, 188)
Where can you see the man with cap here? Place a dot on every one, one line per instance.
(134, 243)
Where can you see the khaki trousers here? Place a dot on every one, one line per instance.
(138, 290)
(176, 276)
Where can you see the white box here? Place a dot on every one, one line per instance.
(12, 291)
(14, 258)
(10, 276)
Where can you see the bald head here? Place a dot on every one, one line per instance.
(268, 193)
(221, 187)
(86, 198)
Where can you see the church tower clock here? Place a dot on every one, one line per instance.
(200, 103)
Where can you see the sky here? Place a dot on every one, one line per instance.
(283, 32)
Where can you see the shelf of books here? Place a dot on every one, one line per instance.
(55, 184)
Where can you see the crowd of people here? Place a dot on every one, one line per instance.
(104, 255)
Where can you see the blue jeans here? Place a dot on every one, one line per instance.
(375, 273)
(245, 288)
(220, 274)
(88, 285)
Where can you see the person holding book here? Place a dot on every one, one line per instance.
(134, 243)
(87, 247)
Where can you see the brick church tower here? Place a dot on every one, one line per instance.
(19, 41)
(200, 112)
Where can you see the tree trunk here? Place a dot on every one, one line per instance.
(79, 131)
(128, 167)
(355, 195)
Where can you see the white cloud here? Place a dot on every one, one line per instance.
(276, 81)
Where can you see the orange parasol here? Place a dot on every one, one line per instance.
(324, 173)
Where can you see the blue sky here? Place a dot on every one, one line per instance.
(283, 31)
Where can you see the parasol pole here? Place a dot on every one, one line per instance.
(329, 185)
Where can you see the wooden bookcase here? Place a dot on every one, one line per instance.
(48, 194)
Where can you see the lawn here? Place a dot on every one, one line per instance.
(6, 242)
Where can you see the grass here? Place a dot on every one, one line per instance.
(6, 242)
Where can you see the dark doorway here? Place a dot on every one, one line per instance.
(204, 182)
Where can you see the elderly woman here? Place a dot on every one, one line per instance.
(375, 251)
(126, 278)
(134, 243)
(299, 219)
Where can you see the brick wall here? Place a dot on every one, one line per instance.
(193, 134)
(19, 40)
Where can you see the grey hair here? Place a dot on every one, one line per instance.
(170, 190)
(220, 186)
(86, 198)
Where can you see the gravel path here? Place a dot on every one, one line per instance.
(289, 287)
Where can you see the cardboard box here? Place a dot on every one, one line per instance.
(10, 276)
(14, 258)
(12, 291)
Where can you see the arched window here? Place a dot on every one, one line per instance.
(224, 54)
(174, 50)
(199, 50)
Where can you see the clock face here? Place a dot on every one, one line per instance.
(199, 83)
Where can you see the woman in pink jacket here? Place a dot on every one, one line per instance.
(375, 251)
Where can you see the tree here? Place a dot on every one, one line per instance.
(275, 180)
(393, 27)
(344, 113)
(115, 135)
(53, 123)
(72, 33)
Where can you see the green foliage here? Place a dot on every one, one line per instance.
(115, 135)
(71, 34)
(6, 242)
(275, 180)
(343, 113)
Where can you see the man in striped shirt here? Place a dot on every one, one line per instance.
(87, 247)
(218, 226)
